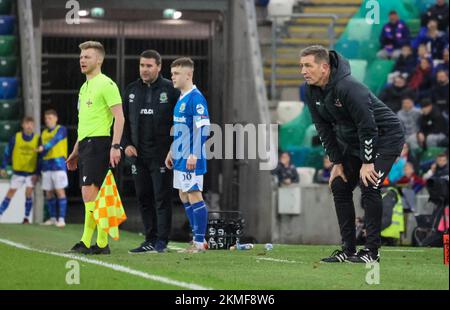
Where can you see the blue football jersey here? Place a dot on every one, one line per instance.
(191, 130)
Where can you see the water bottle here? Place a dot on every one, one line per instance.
(244, 246)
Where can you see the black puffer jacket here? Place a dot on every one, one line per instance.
(164, 98)
(350, 119)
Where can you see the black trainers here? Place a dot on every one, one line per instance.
(338, 256)
(145, 247)
(160, 246)
(365, 256)
(96, 250)
(80, 248)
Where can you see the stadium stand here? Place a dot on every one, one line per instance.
(10, 105)
(358, 41)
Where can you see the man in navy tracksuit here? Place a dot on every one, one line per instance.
(362, 138)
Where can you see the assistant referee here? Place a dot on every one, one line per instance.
(99, 102)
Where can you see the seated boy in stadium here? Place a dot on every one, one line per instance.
(21, 154)
(54, 171)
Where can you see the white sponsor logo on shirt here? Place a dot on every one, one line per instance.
(200, 109)
(147, 111)
(179, 119)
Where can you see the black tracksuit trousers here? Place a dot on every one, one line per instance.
(153, 190)
(371, 201)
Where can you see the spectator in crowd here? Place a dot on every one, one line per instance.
(410, 179)
(434, 40)
(422, 52)
(409, 116)
(406, 62)
(393, 36)
(397, 169)
(439, 169)
(285, 171)
(421, 79)
(433, 127)
(410, 157)
(438, 12)
(439, 92)
(393, 94)
(410, 184)
(323, 175)
(442, 65)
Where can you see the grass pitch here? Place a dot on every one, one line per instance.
(41, 265)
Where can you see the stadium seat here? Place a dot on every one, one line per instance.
(8, 66)
(431, 153)
(315, 157)
(7, 24)
(291, 134)
(368, 50)
(311, 132)
(5, 7)
(8, 129)
(358, 30)
(348, 48)
(414, 26)
(9, 87)
(376, 74)
(358, 67)
(299, 155)
(9, 109)
(424, 5)
(404, 11)
(288, 110)
(8, 45)
(411, 7)
(306, 175)
(2, 150)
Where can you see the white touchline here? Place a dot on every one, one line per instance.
(174, 248)
(276, 260)
(115, 267)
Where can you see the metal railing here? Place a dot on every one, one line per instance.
(276, 30)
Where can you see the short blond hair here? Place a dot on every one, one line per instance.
(183, 62)
(93, 44)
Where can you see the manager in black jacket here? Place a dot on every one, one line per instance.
(362, 138)
(148, 109)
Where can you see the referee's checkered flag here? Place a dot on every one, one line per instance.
(109, 212)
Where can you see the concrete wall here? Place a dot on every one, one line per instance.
(246, 103)
(317, 223)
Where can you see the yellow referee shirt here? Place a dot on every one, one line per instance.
(95, 99)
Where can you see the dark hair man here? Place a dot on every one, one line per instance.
(362, 137)
(148, 109)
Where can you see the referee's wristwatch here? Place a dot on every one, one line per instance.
(116, 146)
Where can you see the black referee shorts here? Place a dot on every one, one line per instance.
(93, 160)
